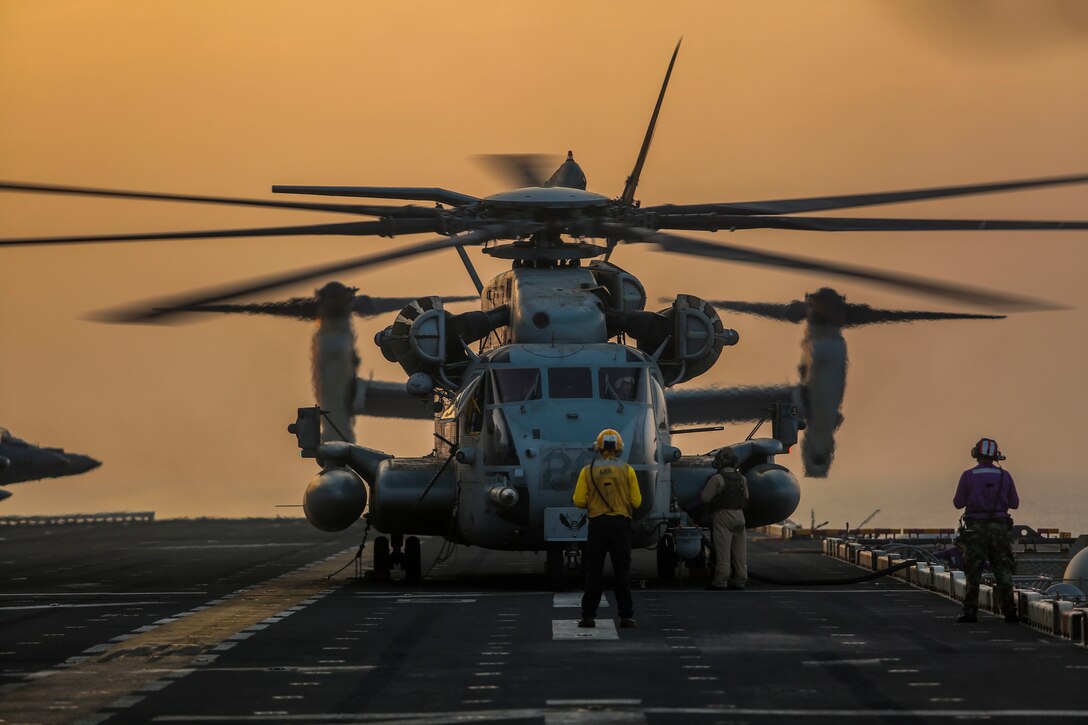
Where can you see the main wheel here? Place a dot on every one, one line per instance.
(382, 560)
(666, 557)
(413, 566)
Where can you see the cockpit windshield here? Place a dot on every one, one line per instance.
(515, 385)
(570, 383)
(619, 383)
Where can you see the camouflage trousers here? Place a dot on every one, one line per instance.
(989, 540)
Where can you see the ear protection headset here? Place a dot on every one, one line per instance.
(609, 440)
(987, 448)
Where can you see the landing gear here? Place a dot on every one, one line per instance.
(412, 564)
(393, 550)
(383, 560)
(666, 557)
(564, 562)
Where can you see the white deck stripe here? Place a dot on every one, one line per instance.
(573, 599)
(569, 629)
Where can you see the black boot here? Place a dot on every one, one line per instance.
(969, 616)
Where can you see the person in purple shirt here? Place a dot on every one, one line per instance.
(986, 492)
(953, 554)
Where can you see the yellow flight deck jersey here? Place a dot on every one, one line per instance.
(616, 491)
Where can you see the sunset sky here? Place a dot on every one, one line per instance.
(769, 99)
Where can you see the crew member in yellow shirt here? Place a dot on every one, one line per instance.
(609, 489)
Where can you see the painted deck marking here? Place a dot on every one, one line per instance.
(119, 670)
(568, 629)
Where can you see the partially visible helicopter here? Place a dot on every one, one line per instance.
(561, 347)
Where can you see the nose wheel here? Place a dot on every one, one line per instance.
(396, 550)
(563, 561)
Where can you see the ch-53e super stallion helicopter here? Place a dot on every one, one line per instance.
(561, 347)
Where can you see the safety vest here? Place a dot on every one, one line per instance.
(731, 491)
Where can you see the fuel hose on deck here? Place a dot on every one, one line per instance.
(832, 582)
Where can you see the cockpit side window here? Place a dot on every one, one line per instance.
(515, 385)
(662, 411)
(570, 383)
(471, 395)
(619, 383)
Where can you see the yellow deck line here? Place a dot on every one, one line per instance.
(68, 695)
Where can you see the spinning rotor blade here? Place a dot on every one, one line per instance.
(521, 170)
(825, 203)
(628, 195)
(381, 228)
(793, 312)
(866, 315)
(416, 193)
(700, 248)
(364, 306)
(854, 314)
(723, 405)
(397, 211)
(306, 308)
(716, 222)
(300, 308)
(165, 308)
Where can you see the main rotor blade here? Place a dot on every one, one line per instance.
(717, 222)
(865, 315)
(164, 308)
(380, 228)
(825, 203)
(792, 312)
(306, 308)
(366, 210)
(416, 193)
(700, 248)
(854, 314)
(365, 306)
(300, 308)
(724, 405)
(628, 195)
(522, 170)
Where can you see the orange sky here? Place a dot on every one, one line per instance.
(768, 100)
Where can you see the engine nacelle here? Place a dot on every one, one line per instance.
(625, 292)
(401, 501)
(425, 338)
(686, 338)
(335, 499)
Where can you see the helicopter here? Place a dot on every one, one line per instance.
(561, 347)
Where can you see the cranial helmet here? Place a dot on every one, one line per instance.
(725, 458)
(609, 440)
(987, 448)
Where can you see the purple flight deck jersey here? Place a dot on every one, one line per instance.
(987, 492)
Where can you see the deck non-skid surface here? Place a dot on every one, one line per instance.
(237, 621)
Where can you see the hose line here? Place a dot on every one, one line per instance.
(832, 582)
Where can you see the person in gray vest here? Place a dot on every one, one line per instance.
(725, 495)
